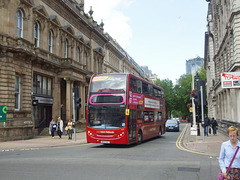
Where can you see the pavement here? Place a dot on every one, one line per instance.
(210, 145)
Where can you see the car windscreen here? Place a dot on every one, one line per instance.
(171, 122)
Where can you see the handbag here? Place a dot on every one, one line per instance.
(220, 176)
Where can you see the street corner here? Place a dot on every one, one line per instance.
(210, 145)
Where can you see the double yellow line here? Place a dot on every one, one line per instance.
(179, 144)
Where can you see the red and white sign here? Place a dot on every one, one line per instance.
(230, 79)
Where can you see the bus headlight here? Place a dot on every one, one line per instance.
(122, 134)
(89, 133)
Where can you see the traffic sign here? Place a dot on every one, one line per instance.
(3, 113)
(190, 109)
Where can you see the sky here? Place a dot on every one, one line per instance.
(160, 34)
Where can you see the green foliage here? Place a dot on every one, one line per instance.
(177, 97)
(182, 91)
(202, 73)
(167, 85)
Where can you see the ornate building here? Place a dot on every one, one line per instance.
(47, 48)
(222, 54)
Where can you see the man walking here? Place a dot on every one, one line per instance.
(206, 125)
(214, 126)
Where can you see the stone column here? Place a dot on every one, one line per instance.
(68, 99)
(92, 58)
(56, 92)
(83, 110)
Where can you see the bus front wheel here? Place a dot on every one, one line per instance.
(140, 137)
(160, 132)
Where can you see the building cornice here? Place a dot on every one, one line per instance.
(234, 67)
(28, 3)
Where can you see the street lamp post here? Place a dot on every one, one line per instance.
(201, 89)
(194, 127)
(193, 106)
(197, 77)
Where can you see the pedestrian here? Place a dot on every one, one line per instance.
(214, 126)
(206, 125)
(228, 149)
(59, 127)
(52, 127)
(69, 129)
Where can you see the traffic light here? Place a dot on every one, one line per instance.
(78, 103)
(77, 99)
(197, 98)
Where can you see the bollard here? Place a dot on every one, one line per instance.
(198, 130)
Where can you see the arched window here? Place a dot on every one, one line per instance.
(36, 34)
(50, 41)
(19, 24)
(78, 55)
(66, 48)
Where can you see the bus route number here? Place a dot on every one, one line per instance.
(127, 112)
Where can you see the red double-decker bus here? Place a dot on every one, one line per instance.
(124, 109)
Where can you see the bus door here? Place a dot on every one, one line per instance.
(132, 126)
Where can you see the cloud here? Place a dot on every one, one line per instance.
(115, 21)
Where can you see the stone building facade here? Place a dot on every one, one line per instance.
(47, 48)
(222, 54)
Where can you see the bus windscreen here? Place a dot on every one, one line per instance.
(106, 117)
(105, 83)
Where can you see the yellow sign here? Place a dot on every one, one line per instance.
(100, 78)
(127, 112)
(190, 109)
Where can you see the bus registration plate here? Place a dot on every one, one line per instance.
(105, 142)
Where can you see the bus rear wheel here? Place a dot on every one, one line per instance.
(140, 137)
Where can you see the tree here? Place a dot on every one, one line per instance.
(167, 85)
(203, 76)
(177, 97)
(202, 73)
(182, 91)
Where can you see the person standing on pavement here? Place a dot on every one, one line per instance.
(52, 127)
(214, 126)
(206, 125)
(59, 127)
(228, 149)
(69, 128)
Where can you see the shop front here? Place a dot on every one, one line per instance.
(42, 112)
